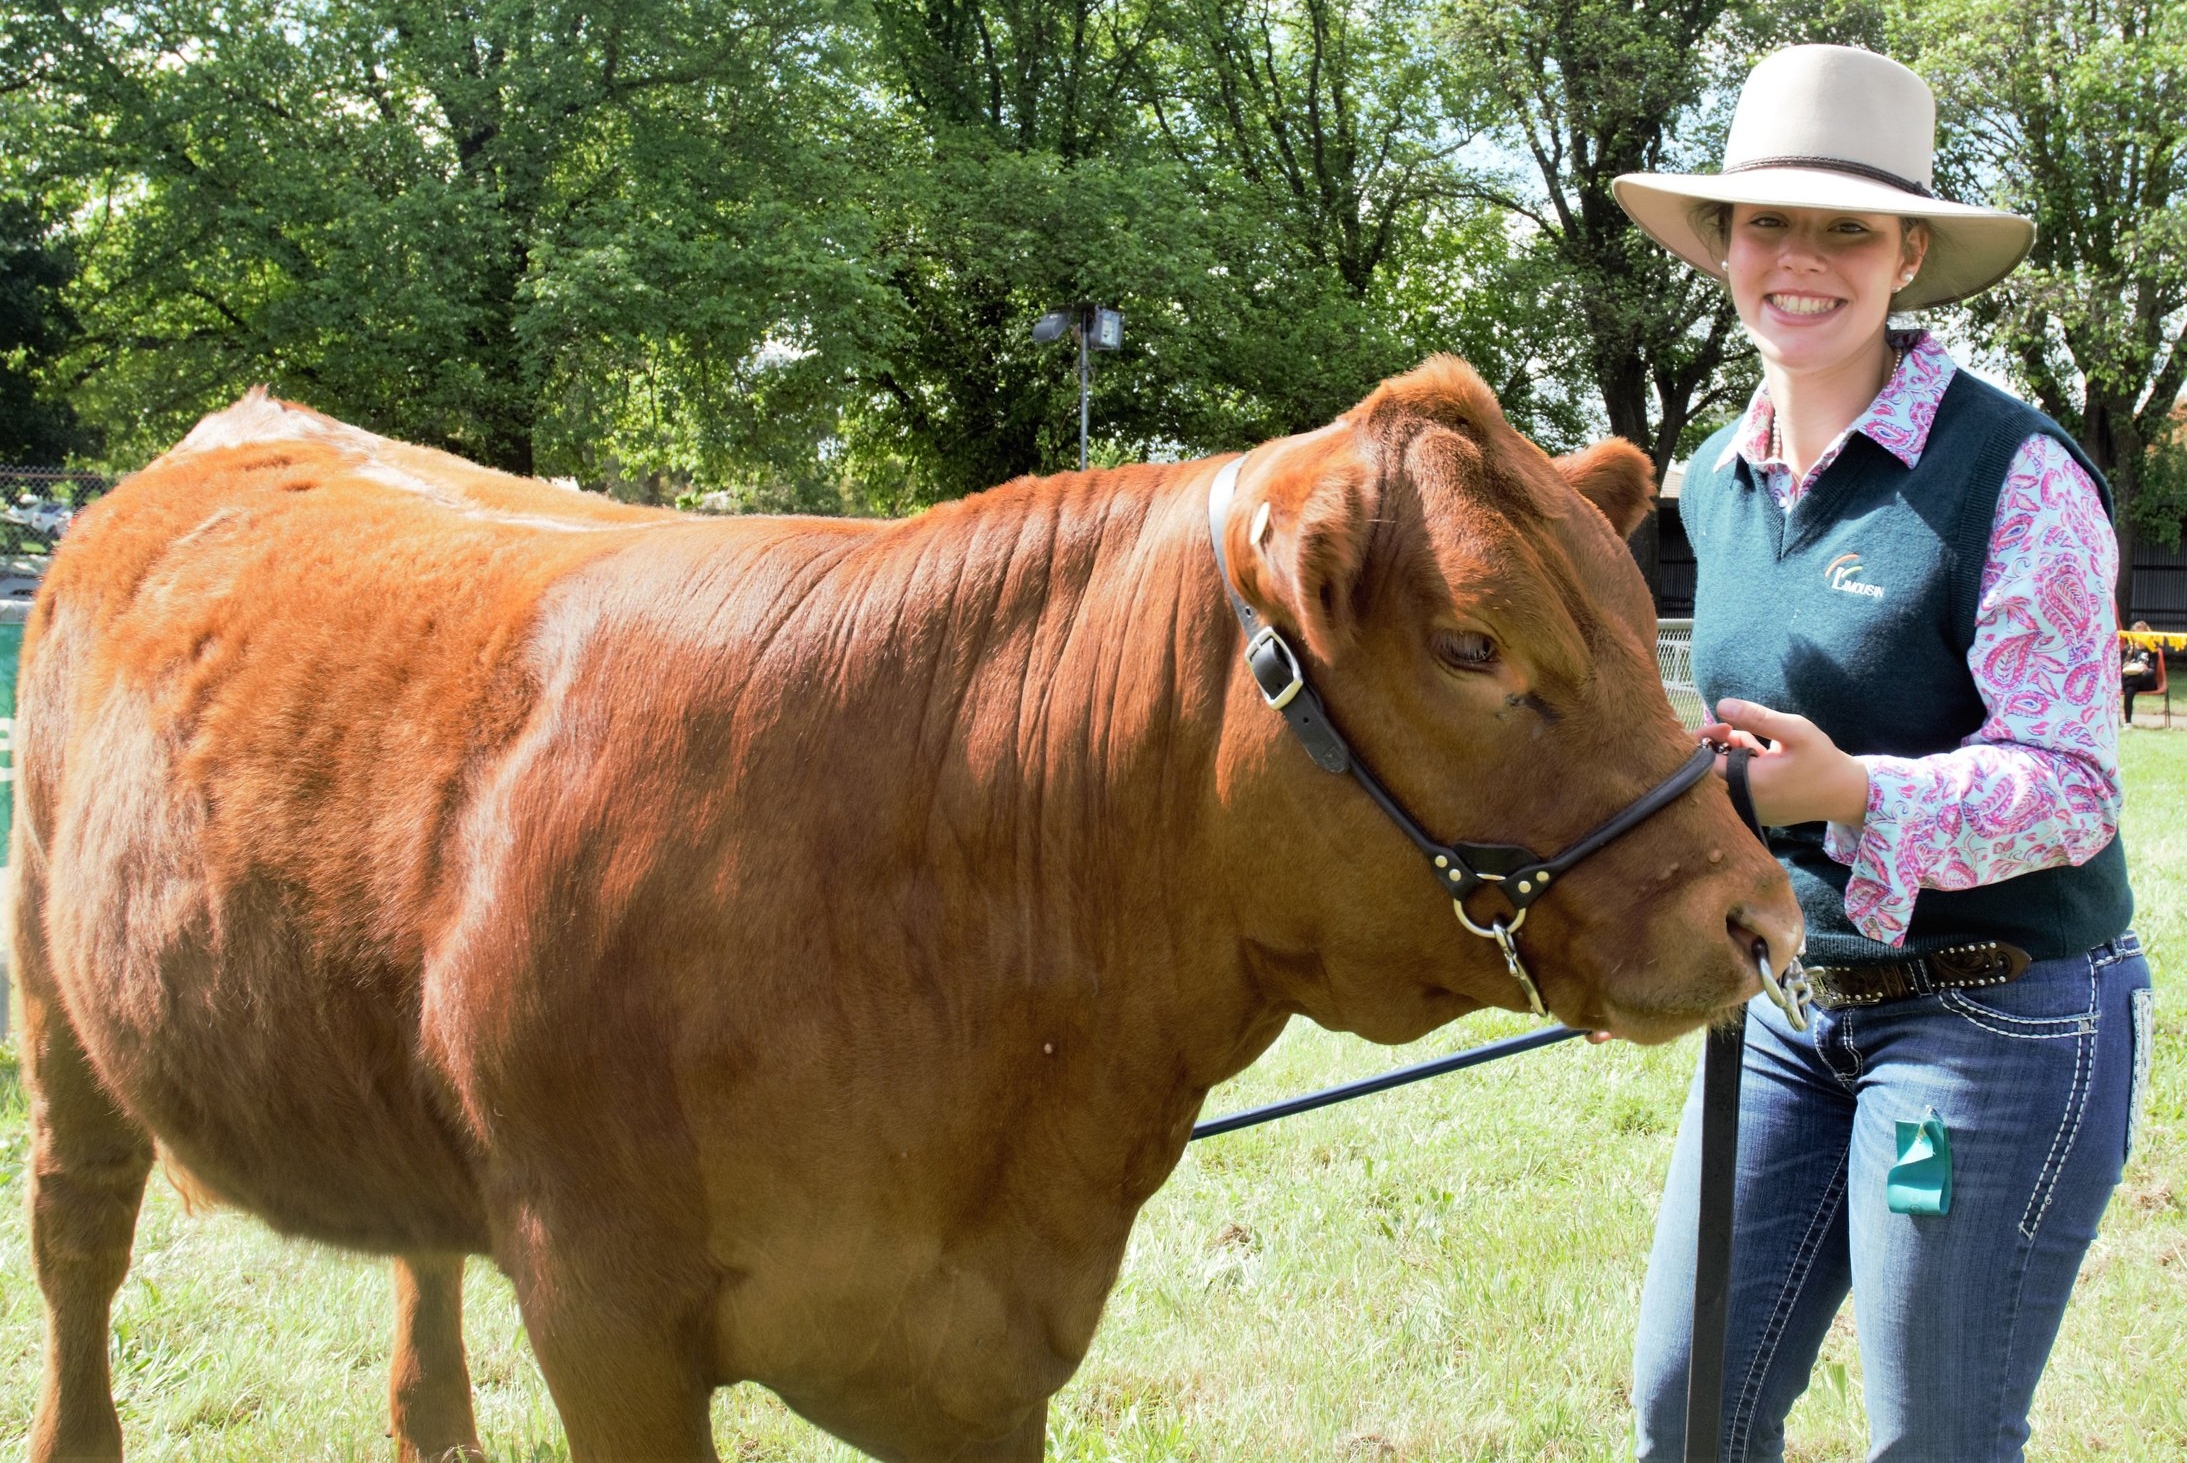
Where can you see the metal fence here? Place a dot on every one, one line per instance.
(2160, 585)
(36, 504)
(1674, 662)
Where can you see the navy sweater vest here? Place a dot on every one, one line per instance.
(1857, 610)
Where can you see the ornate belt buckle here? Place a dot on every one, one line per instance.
(1990, 963)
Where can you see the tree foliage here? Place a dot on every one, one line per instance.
(36, 326)
(788, 252)
(1589, 91)
(361, 201)
(2076, 114)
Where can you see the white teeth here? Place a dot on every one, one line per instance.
(1802, 304)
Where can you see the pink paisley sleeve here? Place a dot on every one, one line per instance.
(2038, 785)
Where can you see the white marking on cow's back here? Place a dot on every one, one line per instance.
(387, 475)
(259, 419)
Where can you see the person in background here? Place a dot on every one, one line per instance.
(2137, 668)
(1904, 604)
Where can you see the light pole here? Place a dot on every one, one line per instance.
(1095, 328)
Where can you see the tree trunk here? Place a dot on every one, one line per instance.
(1646, 543)
(1624, 384)
(2123, 528)
(2109, 439)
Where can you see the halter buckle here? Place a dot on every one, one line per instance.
(1267, 638)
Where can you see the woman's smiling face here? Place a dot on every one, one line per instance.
(1813, 286)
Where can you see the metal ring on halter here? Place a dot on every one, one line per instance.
(1793, 995)
(1500, 932)
(1497, 930)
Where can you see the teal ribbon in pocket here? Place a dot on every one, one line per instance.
(1921, 1181)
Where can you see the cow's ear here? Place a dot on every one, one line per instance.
(1616, 477)
(1310, 555)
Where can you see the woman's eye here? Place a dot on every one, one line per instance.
(1466, 650)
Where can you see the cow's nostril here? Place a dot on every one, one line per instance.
(1754, 949)
(1758, 937)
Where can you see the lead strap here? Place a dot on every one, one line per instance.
(1794, 994)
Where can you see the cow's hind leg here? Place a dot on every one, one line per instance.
(88, 1163)
(429, 1386)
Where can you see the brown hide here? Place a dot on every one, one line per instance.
(792, 949)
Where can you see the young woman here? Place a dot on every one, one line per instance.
(1904, 599)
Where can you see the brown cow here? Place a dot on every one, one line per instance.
(792, 949)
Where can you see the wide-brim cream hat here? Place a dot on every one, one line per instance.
(1840, 128)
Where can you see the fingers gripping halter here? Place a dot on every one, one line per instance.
(1795, 993)
(1460, 868)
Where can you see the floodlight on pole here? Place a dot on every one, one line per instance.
(1096, 328)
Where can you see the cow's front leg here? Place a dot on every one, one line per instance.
(622, 1331)
(87, 1168)
(429, 1386)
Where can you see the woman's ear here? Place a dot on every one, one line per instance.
(1616, 477)
(1914, 247)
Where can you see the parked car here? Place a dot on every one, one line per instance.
(40, 515)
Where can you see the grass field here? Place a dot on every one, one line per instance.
(1449, 1272)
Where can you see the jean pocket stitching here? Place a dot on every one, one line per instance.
(2069, 1126)
(2142, 1005)
(2033, 1028)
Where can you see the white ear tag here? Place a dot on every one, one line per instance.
(1259, 530)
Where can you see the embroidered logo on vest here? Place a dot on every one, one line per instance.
(1841, 574)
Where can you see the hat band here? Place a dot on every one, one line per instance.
(1836, 165)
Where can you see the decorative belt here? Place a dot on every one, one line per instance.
(1961, 966)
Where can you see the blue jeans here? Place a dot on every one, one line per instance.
(2037, 1084)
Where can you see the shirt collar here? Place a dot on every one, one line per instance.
(1898, 420)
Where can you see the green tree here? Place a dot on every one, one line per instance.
(1590, 90)
(1008, 169)
(2076, 114)
(787, 251)
(1330, 115)
(35, 327)
(972, 240)
(1329, 153)
(1269, 188)
(360, 201)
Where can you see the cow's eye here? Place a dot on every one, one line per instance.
(1465, 650)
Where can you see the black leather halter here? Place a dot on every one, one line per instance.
(1460, 868)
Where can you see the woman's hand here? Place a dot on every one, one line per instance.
(1802, 778)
